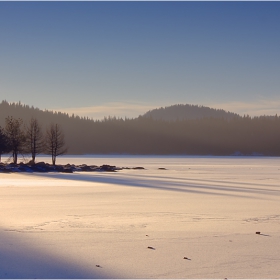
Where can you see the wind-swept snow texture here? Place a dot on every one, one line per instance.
(196, 217)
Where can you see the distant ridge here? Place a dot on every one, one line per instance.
(188, 112)
(197, 130)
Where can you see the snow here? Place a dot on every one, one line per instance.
(100, 225)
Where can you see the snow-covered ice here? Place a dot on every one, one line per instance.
(100, 225)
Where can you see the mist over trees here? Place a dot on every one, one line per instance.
(4, 143)
(188, 112)
(147, 135)
(21, 136)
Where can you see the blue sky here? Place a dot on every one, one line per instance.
(124, 58)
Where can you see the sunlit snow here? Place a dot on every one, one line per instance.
(200, 215)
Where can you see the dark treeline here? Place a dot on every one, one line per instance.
(188, 112)
(18, 137)
(145, 135)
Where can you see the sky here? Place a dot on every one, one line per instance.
(122, 59)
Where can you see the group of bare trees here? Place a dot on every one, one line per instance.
(19, 138)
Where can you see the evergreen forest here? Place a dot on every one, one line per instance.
(207, 135)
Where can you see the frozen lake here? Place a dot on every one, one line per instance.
(199, 217)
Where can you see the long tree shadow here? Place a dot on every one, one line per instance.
(18, 261)
(162, 184)
(223, 185)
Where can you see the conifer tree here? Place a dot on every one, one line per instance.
(4, 144)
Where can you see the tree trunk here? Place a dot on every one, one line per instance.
(53, 159)
(15, 156)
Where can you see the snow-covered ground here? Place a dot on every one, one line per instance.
(199, 218)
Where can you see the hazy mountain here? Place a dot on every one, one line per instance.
(187, 112)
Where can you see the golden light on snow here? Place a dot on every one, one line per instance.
(196, 219)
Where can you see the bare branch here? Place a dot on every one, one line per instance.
(16, 137)
(55, 143)
(34, 138)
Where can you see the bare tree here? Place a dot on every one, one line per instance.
(34, 138)
(16, 137)
(55, 144)
(4, 143)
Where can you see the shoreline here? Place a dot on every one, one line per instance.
(67, 168)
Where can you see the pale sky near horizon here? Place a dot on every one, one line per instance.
(125, 58)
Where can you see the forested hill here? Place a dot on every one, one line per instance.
(45, 117)
(203, 136)
(187, 112)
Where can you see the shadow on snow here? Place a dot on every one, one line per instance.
(17, 261)
(168, 184)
